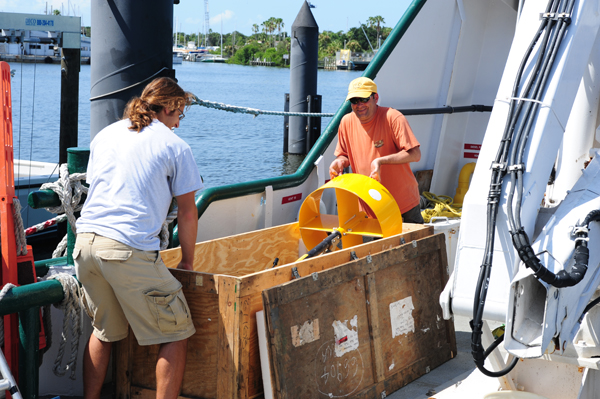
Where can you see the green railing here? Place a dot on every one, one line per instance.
(258, 186)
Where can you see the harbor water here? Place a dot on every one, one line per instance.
(228, 147)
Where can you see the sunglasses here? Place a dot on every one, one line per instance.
(357, 100)
(181, 114)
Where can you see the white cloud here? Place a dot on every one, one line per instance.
(224, 16)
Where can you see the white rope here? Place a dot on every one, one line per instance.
(60, 248)
(5, 289)
(70, 204)
(71, 305)
(20, 238)
(69, 189)
(164, 231)
(44, 225)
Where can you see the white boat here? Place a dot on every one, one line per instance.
(457, 54)
(443, 57)
(177, 57)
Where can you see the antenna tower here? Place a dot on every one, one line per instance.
(206, 23)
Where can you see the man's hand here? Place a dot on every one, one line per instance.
(185, 266)
(337, 166)
(376, 169)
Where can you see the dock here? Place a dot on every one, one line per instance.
(262, 63)
(37, 59)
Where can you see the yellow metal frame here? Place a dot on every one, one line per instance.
(350, 221)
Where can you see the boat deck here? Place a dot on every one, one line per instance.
(447, 375)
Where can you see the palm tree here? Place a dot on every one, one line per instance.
(376, 22)
(271, 24)
(280, 25)
(264, 28)
(354, 46)
(255, 29)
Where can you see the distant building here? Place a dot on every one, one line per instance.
(21, 41)
(9, 44)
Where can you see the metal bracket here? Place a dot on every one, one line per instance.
(353, 255)
(556, 16)
(501, 166)
(295, 273)
(514, 167)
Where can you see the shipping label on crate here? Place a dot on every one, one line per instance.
(305, 334)
(401, 317)
(346, 339)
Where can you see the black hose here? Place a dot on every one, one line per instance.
(323, 245)
(510, 160)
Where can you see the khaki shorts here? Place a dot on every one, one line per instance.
(128, 287)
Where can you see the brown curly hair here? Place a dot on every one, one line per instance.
(160, 93)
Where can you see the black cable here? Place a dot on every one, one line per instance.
(518, 125)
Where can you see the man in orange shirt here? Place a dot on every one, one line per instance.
(378, 142)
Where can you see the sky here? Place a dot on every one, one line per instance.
(240, 15)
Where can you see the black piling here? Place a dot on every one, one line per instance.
(70, 65)
(303, 80)
(131, 45)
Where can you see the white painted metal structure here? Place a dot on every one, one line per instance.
(467, 52)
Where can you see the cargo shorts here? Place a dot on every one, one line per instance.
(124, 286)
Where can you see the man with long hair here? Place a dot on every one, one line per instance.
(137, 165)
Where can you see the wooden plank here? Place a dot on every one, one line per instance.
(394, 296)
(143, 393)
(409, 314)
(228, 338)
(337, 359)
(243, 253)
(373, 313)
(223, 358)
(257, 282)
(250, 371)
(200, 377)
(424, 179)
(122, 366)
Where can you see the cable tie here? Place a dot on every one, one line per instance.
(579, 229)
(508, 99)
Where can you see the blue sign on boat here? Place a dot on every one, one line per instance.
(39, 22)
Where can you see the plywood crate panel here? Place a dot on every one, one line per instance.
(363, 328)
(224, 293)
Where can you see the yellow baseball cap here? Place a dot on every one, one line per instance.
(361, 87)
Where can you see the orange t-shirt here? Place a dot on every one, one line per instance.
(388, 133)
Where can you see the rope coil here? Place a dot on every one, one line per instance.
(442, 206)
(72, 308)
(69, 190)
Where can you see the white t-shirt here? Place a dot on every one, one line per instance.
(133, 177)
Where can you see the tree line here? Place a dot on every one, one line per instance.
(270, 42)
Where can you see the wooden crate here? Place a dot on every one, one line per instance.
(224, 293)
(361, 329)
